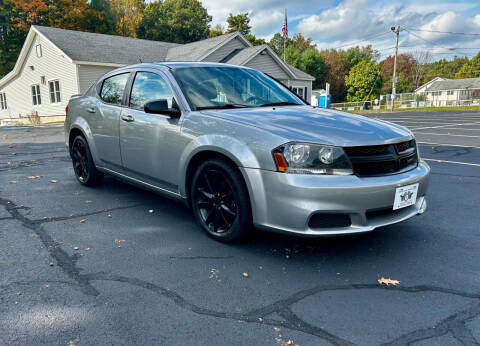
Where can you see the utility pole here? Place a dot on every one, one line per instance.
(396, 30)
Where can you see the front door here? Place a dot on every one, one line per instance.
(150, 144)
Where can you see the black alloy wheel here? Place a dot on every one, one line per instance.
(83, 165)
(220, 200)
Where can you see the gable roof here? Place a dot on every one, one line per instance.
(100, 49)
(455, 84)
(243, 55)
(90, 47)
(428, 83)
(196, 51)
(300, 74)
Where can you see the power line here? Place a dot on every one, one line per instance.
(446, 32)
(365, 39)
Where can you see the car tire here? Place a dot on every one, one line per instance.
(220, 201)
(83, 165)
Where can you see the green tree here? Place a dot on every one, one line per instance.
(301, 42)
(364, 81)
(356, 54)
(99, 18)
(292, 56)
(336, 68)
(254, 40)
(276, 43)
(179, 21)
(128, 14)
(239, 22)
(217, 30)
(470, 69)
(444, 68)
(311, 62)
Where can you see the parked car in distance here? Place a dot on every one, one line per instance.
(243, 151)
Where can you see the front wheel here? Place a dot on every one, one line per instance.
(220, 201)
(83, 165)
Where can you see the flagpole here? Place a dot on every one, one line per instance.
(285, 41)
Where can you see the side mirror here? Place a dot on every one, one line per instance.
(161, 107)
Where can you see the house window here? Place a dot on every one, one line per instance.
(36, 98)
(54, 87)
(298, 91)
(3, 101)
(38, 50)
(449, 92)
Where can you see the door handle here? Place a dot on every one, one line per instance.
(127, 117)
(91, 110)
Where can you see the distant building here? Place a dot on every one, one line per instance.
(55, 64)
(450, 92)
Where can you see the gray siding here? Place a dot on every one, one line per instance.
(88, 74)
(267, 64)
(223, 51)
(52, 65)
(303, 83)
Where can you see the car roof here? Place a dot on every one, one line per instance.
(178, 64)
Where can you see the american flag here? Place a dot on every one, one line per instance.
(285, 27)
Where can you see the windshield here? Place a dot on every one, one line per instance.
(230, 87)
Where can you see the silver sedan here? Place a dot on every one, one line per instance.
(243, 151)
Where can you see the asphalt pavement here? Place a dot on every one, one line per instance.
(118, 265)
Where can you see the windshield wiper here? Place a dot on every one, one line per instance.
(225, 106)
(286, 103)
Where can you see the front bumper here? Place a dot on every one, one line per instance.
(286, 202)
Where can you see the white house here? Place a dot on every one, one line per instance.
(451, 92)
(55, 64)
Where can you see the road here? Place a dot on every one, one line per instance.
(121, 266)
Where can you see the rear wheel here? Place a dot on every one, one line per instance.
(220, 201)
(83, 165)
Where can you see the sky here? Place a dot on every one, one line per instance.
(346, 23)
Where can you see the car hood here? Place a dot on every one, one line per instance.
(309, 124)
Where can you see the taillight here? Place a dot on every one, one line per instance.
(66, 111)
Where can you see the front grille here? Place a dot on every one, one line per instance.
(375, 160)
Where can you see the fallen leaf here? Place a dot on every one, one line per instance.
(12, 182)
(53, 181)
(19, 293)
(213, 273)
(109, 215)
(75, 248)
(71, 215)
(73, 342)
(118, 241)
(245, 275)
(52, 264)
(46, 286)
(83, 221)
(87, 249)
(33, 177)
(388, 282)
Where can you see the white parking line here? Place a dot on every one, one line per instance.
(444, 134)
(440, 126)
(448, 145)
(455, 162)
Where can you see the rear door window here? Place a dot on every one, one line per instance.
(113, 88)
(148, 87)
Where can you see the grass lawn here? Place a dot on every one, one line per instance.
(425, 109)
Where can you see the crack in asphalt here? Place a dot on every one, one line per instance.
(454, 324)
(283, 307)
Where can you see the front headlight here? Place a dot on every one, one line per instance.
(305, 158)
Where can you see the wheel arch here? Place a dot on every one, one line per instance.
(80, 127)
